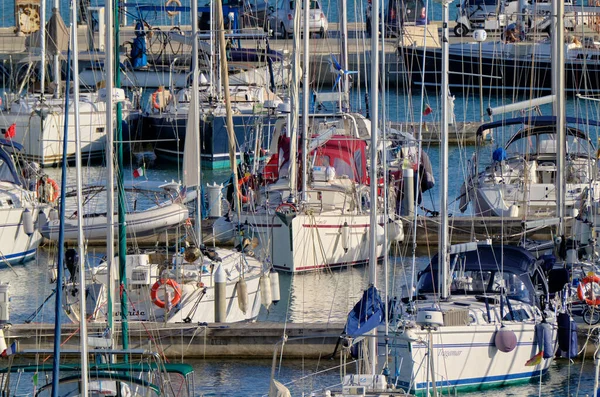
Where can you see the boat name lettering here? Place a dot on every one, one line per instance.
(133, 313)
(449, 353)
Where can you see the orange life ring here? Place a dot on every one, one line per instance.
(155, 103)
(53, 195)
(154, 292)
(242, 181)
(582, 289)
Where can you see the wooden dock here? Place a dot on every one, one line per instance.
(475, 228)
(239, 340)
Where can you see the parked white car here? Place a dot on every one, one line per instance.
(281, 18)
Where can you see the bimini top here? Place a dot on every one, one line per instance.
(490, 257)
(534, 121)
(8, 171)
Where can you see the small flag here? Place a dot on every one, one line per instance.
(138, 172)
(11, 131)
(427, 111)
(535, 360)
(10, 350)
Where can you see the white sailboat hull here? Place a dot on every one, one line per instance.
(196, 280)
(313, 242)
(40, 129)
(453, 346)
(15, 244)
(536, 200)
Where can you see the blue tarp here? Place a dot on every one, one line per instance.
(366, 315)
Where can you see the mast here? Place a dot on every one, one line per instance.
(558, 85)
(229, 115)
(83, 340)
(305, 97)
(61, 245)
(56, 68)
(196, 118)
(110, 171)
(43, 48)
(373, 169)
(443, 235)
(293, 127)
(344, 54)
(121, 198)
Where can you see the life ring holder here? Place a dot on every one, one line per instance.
(176, 3)
(154, 292)
(52, 182)
(582, 287)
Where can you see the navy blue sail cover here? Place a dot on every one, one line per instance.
(366, 315)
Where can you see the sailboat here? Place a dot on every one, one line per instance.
(314, 214)
(199, 285)
(521, 178)
(476, 318)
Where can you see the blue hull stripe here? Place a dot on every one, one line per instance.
(18, 257)
(487, 380)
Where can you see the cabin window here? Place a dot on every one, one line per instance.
(514, 287)
(547, 144)
(343, 168)
(516, 315)
(525, 145)
(577, 145)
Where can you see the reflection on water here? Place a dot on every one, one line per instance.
(328, 296)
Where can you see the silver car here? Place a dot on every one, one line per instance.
(281, 18)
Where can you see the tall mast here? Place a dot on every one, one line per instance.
(43, 47)
(344, 55)
(373, 169)
(558, 85)
(443, 235)
(56, 68)
(110, 171)
(229, 115)
(293, 127)
(61, 245)
(83, 340)
(196, 110)
(121, 198)
(305, 97)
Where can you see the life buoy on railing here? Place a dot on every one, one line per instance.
(243, 180)
(154, 292)
(586, 290)
(160, 98)
(173, 3)
(47, 189)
